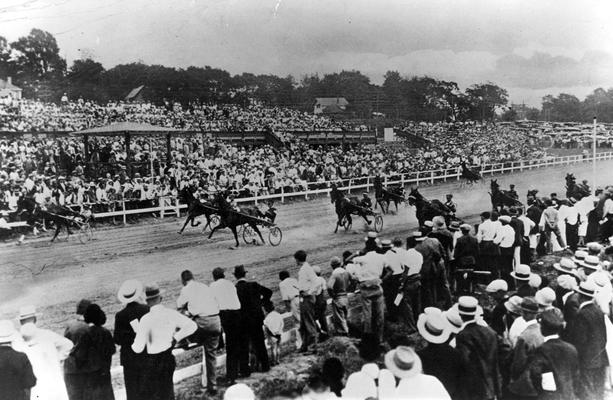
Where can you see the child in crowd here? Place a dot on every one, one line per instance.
(273, 323)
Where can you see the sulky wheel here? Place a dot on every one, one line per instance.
(85, 234)
(378, 223)
(275, 235)
(249, 235)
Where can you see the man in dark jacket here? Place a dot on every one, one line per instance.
(553, 371)
(252, 297)
(75, 331)
(130, 293)
(16, 375)
(587, 332)
(435, 287)
(438, 358)
(478, 347)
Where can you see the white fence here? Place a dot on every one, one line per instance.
(169, 205)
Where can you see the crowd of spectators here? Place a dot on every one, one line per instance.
(56, 167)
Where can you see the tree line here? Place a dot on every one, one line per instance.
(36, 66)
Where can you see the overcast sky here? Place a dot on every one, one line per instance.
(531, 47)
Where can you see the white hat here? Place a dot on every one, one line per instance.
(535, 281)
(567, 282)
(26, 312)
(586, 288)
(468, 305)
(579, 256)
(513, 305)
(497, 285)
(454, 321)
(545, 297)
(522, 272)
(359, 385)
(130, 291)
(566, 265)
(7, 331)
(592, 262)
(403, 362)
(432, 325)
(239, 391)
(504, 218)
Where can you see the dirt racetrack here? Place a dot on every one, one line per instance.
(55, 276)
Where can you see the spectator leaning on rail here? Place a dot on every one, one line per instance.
(307, 282)
(338, 287)
(198, 301)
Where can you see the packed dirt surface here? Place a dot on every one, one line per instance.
(55, 276)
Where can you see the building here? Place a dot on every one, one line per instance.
(8, 89)
(330, 105)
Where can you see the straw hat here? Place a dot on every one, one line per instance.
(26, 312)
(239, 391)
(152, 291)
(545, 297)
(592, 262)
(566, 266)
(130, 291)
(586, 288)
(403, 362)
(522, 272)
(468, 305)
(454, 321)
(497, 285)
(513, 305)
(432, 326)
(7, 331)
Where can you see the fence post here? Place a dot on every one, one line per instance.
(203, 378)
(402, 179)
(368, 183)
(123, 206)
(417, 179)
(282, 193)
(385, 181)
(162, 202)
(177, 208)
(432, 177)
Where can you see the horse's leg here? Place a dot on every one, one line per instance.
(208, 222)
(255, 228)
(233, 228)
(214, 229)
(57, 232)
(189, 217)
(396, 204)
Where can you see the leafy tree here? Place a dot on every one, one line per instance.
(485, 99)
(564, 107)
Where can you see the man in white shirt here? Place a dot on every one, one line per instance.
(395, 264)
(200, 303)
(290, 294)
(156, 334)
(229, 314)
(307, 282)
(505, 238)
(488, 251)
(368, 274)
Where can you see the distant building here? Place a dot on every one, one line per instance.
(8, 89)
(521, 110)
(136, 95)
(330, 105)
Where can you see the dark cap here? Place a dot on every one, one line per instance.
(552, 319)
(218, 273)
(529, 305)
(239, 271)
(152, 291)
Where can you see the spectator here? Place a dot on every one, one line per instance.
(438, 358)
(156, 333)
(406, 365)
(74, 332)
(321, 305)
(290, 294)
(307, 282)
(200, 303)
(16, 375)
(230, 316)
(529, 340)
(252, 297)
(333, 373)
(46, 351)
(131, 294)
(338, 285)
(273, 324)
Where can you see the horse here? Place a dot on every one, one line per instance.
(61, 217)
(385, 196)
(345, 207)
(501, 198)
(230, 218)
(574, 190)
(470, 176)
(196, 208)
(426, 209)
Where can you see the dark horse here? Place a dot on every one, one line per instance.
(470, 175)
(501, 198)
(426, 209)
(345, 207)
(230, 218)
(384, 196)
(574, 190)
(196, 208)
(62, 217)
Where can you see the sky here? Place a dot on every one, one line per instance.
(530, 47)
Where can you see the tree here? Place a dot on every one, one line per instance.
(565, 107)
(485, 99)
(6, 66)
(85, 80)
(38, 55)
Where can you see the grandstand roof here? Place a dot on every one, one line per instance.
(123, 127)
(134, 92)
(329, 101)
